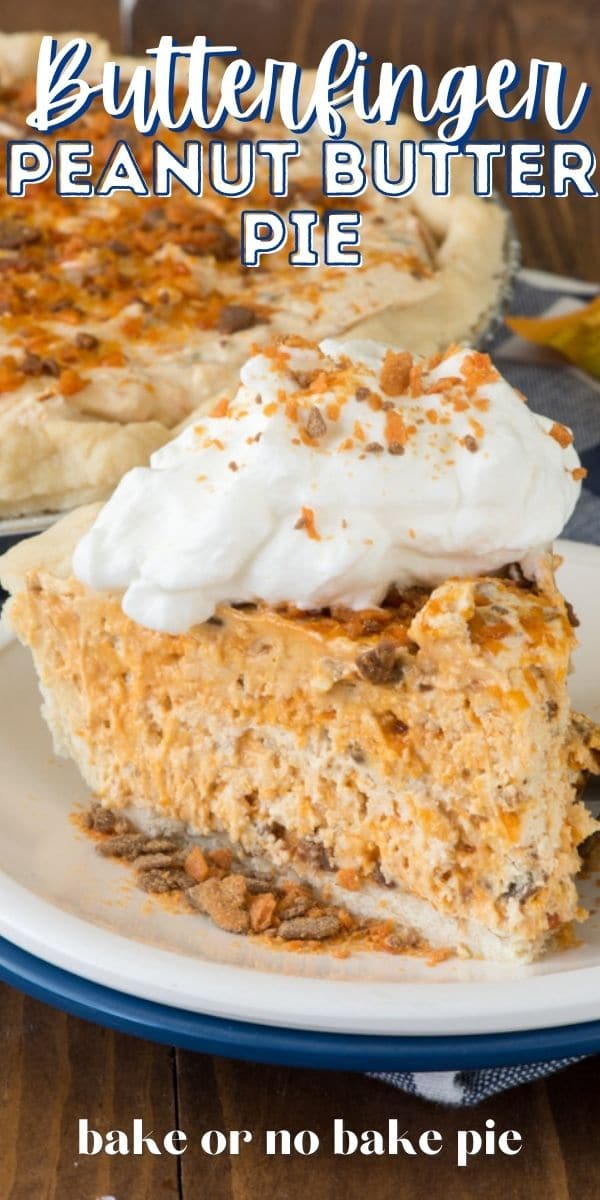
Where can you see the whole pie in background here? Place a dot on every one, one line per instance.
(122, 316)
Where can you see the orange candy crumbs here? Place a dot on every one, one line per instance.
(561, 434)
(416, 381)
(477, 428)
(70, 382)
(221, 408)
(307, 522)
(395, 372)
(477, 369)
(395, 429)
(10, 377)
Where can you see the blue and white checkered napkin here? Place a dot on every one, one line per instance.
(554, 387)
(567, 395)
(462, 1089)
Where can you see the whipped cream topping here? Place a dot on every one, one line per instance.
(335, 472)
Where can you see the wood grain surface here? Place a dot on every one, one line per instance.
(54, 1068)
(557, 234)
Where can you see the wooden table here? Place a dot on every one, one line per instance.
(557, 234)
(53, 1068)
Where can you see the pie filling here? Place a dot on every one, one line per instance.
(420, 758)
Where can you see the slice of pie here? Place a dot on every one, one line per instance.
(409, 748)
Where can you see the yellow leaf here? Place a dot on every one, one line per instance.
(576, 335)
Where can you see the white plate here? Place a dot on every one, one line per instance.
(19, 526)
(63, 903)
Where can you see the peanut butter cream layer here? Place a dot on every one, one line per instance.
(427, 745)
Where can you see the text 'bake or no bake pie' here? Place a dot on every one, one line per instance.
(121, 314)
(322, 626)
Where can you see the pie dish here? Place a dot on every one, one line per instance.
(123, 315)
(386, 712)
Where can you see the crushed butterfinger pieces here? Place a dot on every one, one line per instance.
(561, 434)
(307, 521)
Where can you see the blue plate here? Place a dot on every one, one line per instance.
(290, 1047)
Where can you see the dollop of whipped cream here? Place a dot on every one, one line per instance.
(335, 472)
